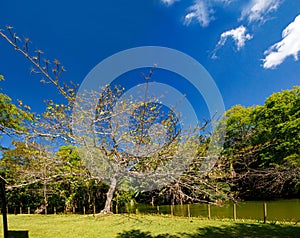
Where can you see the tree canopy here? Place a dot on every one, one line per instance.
(12, 116)
(262, 144)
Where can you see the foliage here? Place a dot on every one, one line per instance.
(278, 123)
(13, 117)
(262, 146)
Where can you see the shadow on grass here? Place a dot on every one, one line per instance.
(246, 230)
(141, 234)
(226, 231)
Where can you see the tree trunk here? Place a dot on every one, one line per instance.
(232, 171)
(41, 209)
(110, 194)
(44, 206)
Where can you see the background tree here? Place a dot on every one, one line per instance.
(262, 146)
(12, 116)
(278, 123)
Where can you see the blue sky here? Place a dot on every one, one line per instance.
(250, 48)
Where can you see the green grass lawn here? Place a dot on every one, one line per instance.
(123, 226)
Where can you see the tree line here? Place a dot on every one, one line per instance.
(48, 163)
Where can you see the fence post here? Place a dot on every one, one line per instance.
(189, 211)
(28, 210)
(54, 210)
(208, 211)
(172, 212)
(74, 210)
(83, 210)
(94, 210)
(4, 206)
(20, 210)
(157, 209)
(234, 211)
(265, 212)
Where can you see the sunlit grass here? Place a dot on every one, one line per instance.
(122, 226)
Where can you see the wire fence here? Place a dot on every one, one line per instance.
(262, 211)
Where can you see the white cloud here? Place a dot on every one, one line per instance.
(257, 10)
(239, 35)
(289, 46)
(200, 12)
(224, 1)
(169, 2)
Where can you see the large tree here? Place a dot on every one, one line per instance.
(136, 143)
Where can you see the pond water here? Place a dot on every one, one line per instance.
(278, 210)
